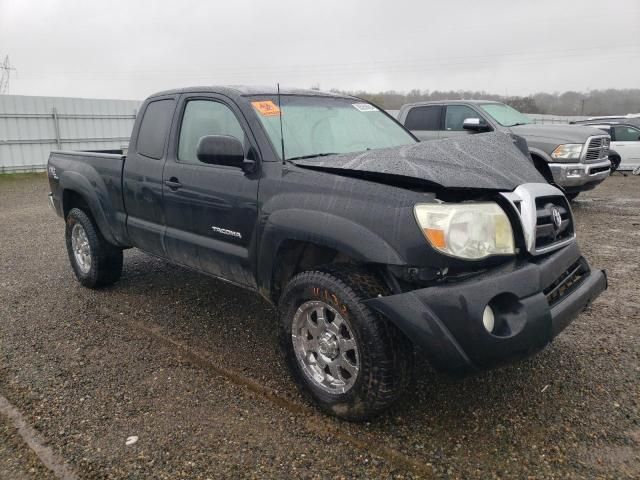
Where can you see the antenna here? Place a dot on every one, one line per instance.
(281, 134)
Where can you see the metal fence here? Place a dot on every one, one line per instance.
(30, 127)
(553, 119)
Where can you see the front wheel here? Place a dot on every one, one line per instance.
(95, 262)
(351, 362)
(572, 196)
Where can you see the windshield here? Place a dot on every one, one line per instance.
(505, 115)
(316, 125)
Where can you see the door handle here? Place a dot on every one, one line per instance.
(173, 183)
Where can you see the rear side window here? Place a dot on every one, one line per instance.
(424, 118)
(154, 128)
(456, 115)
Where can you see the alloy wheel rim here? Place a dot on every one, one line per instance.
(325, 347)
(81, 248)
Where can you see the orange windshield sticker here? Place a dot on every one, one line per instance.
(266, 108)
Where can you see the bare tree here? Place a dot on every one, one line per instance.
(594, 102)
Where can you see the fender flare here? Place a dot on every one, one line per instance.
(322, 229)
(96, 195)
(541, 153)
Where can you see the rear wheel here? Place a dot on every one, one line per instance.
(95, 262)
(351, 362)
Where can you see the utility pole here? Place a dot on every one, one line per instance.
(5, 74)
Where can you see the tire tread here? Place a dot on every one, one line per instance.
(390, 352)
(107, 259)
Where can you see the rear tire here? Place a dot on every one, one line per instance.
(95, 262)
(355, 364)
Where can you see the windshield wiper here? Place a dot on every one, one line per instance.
(302, 157)
(517, 124)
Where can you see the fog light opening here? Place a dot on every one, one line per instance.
(488, 319)
(504, 316)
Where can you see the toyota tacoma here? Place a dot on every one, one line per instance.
(368, 242)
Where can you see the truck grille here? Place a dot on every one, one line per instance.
(566, 282)
(553, 221)
(545, 217)
(597, 148)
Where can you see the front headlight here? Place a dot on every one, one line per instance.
(466, 230)
(568, 151)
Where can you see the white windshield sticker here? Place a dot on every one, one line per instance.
(365, 107)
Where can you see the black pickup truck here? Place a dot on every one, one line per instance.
(368, 241)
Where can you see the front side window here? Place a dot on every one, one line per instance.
(456, 115)
(505, 115)
(317, 125)
(626, 134)
(424, 118)
(154, 128)
(202, 118)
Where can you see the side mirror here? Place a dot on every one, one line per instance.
(221, 150)
(475, 125)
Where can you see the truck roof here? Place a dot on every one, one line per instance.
(244, 90)
(439, 102)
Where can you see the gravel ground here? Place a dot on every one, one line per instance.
(189, 365)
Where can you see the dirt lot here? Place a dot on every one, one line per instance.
(189, 366)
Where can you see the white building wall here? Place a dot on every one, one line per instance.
(31, 127)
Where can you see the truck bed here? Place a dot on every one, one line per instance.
(99, 175)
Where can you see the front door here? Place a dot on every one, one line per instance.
(454, 118)
(210, 210)
(626, 141)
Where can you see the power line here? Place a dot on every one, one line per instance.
(5, 69)
(410, 64)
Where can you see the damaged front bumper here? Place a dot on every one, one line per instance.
(532, 302)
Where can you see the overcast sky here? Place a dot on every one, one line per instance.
(129, 49)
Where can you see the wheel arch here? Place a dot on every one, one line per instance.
(77, 191)
(295, 241)
(541, 162)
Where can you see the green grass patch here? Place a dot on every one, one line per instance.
(16, 177)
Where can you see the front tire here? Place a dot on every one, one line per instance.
(95, 262)
(572, 196)
(350, 361)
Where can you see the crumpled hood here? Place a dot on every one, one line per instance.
(561, 133)
(482, 161)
